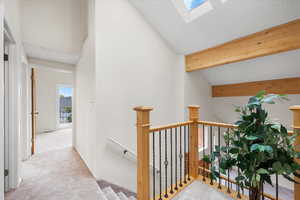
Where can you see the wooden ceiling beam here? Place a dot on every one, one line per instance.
(277, 39)
(278, 86)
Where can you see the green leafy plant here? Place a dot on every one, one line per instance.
(258, 148)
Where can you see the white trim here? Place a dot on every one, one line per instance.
(189, 16)
(74, 110)
(14, 118)
(6, 116)
(1, 100)
(13, 156)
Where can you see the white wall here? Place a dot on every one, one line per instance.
(85, 141)
(47, 82)
(224, 109)
(26, 131)
(133, 67)
(197, 91)
(54, 24)
(85, 134)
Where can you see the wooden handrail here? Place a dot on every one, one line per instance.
(160, 128)
(223, 125)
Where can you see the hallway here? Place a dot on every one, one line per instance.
(56, 175)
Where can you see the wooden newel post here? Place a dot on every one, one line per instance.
(296, 126)
(193, 137)
(143, 152)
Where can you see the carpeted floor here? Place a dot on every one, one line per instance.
(198, 190)
(55, 140)
(103, 184)
(56, 175)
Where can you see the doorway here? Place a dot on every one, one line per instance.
(52, 98)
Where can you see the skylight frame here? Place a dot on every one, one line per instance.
(193, 4)
(190, 15)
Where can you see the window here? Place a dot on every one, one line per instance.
(191, 4)
(192, 9)
(65, 104)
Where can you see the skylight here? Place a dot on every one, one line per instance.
(192, 4)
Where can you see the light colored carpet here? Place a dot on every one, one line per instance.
(200, 191)
(55, 140)
(56, 175)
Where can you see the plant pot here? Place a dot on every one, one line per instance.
(254, 193)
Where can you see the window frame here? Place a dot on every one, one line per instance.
(190, 15)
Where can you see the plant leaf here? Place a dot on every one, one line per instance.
(262, 171)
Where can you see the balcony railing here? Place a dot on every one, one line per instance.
(174, 150)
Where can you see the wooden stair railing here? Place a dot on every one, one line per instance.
(296, 126)
(174, 148)
(166, 147)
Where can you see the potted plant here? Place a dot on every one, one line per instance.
(258, 148)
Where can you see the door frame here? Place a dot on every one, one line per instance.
(33, 111)
(14, 98)
(2, 98)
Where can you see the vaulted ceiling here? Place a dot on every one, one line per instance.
(228, 20)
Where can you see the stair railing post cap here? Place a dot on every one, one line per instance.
(143, 108)
(194, 106)
(297, 107)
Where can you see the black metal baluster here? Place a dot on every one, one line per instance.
(160, 186)
(185, 154)
(180, 155)
(219, 156)
(203, 145)
(188, 155)
(243, 190)
(238, 186)
(176, 165)
(262, 192)
(171, 134)
(211, 153)
(228, 171)
(153, 163)
(166, 163)
(276, 186)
